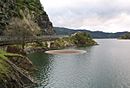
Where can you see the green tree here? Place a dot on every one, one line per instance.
(82, 39)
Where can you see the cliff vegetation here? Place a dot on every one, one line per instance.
(29, 11)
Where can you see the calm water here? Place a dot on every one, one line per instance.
(104, 66)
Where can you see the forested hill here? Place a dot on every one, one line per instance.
(94, 34)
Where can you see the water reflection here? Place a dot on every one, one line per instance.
(44, 66)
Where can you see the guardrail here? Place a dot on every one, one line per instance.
(18, 39)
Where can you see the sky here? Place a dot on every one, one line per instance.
(94, 15)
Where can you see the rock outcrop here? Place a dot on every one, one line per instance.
(31, 11)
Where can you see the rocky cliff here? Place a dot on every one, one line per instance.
(31, 11)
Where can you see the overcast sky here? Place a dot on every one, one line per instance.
(101, 15)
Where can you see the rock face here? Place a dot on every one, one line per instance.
(44, 23)
(29, 10)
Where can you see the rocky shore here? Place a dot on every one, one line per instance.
(15, 71)
(79, 39)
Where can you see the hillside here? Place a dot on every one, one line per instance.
(29, 11)
(125, 36)
(94, 34)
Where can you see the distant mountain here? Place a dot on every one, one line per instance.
(94, 34)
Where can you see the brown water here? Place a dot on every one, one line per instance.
(104, 66)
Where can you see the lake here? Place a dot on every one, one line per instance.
(106, 65)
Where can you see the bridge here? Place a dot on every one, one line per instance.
(9, 40)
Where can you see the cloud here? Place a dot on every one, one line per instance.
(103, 15)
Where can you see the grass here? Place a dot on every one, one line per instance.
(4, 67)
